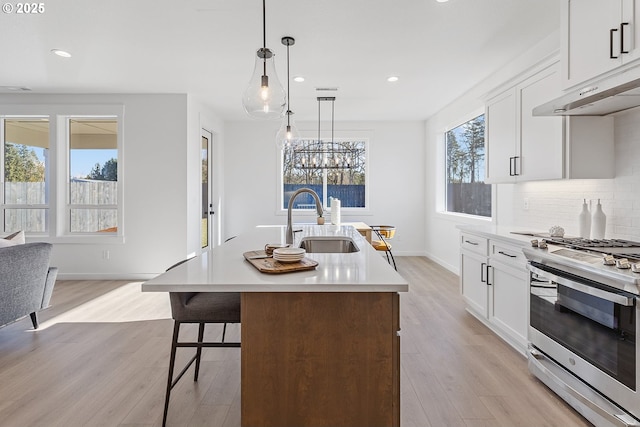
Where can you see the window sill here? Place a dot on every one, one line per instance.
(463, 218)
(78, 240)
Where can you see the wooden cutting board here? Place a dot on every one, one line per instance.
(270, 265)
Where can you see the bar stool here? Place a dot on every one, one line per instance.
(384, 233)
(201, 308)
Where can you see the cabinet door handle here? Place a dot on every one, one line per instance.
(483, 270)
(489, 267)
(515, 166)
(471, 243)
(622, 37)
(611, 31)
(510, 166)
(506, 254)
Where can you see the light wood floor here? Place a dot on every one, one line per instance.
(101, 355)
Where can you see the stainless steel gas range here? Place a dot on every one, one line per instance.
(583, 325)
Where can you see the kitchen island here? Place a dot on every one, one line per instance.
(319, 347)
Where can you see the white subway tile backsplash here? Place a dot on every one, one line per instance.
(560, 202)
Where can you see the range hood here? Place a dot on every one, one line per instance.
(613, 94)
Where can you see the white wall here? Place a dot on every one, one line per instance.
(396, 178)
(160, 160)
(441, 236)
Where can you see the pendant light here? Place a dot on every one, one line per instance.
(287, 135)
(264, 97)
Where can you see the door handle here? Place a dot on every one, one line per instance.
(489, 267)
(622, 37)
(483, 269)
(510, 166)
(515, 166)
(611, 31)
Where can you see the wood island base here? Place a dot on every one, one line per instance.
(320, 359)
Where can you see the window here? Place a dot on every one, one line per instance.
(466, 192)
(331, 168)
(93, 175)
(59, 171)
(25, 170)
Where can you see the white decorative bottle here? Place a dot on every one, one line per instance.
(584, 221)
(335, 211)
(598, 222)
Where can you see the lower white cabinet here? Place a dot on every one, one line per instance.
(494, 285)
(474, 282)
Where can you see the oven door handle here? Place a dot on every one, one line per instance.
(624, 300)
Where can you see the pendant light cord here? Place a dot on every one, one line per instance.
(288, 91)
(264, 36)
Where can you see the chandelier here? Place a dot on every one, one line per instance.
(329, 154)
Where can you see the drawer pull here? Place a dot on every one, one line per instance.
(471, 243)
(509, 255)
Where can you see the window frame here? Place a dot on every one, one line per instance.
(441, 178)
(353, 136)
(41, 206)
(59, 171)
(69, 206)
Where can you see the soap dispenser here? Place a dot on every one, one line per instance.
(598, 222)
(584, 221)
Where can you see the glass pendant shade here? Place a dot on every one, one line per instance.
(287, 136)
(264, 97)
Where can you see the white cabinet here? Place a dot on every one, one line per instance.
(501, 142)
(522, 147)
(494, 286)
(508, 304)
(597, 36)
(473, 277)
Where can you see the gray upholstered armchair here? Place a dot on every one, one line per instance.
(26, 281)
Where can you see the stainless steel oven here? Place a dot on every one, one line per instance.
(583, 334)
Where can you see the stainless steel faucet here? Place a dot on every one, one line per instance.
(293, 196)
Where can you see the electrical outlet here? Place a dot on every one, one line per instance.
(106, 255)
(525, 205)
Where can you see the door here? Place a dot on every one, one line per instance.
(207, 229)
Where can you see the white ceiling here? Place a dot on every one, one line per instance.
(207, 48)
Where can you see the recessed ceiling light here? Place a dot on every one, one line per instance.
(298, 79)
(61, 53)
(393, 79)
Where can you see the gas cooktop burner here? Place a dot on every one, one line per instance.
(580, 243)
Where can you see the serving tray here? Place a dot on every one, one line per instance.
(271, 266)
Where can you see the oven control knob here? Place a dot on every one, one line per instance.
(609, 260)
(542, 244)
(534, 243)
(635, 267)
(623, 263)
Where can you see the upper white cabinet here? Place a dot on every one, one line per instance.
(597, 36)
(522, 147)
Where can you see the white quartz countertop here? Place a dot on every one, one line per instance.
(513, 235)
(224, 269)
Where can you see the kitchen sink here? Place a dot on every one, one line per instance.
(328, 244)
